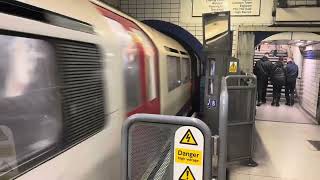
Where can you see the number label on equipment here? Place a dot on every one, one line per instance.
(212, 103)
(188, 154)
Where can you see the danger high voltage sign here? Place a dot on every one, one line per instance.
(188, 153)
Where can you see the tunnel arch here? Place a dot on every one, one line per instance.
(271, 36)
(181, 35)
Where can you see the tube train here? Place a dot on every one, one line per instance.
(70, 74)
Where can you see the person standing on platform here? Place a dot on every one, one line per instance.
(262, 70)
(278, 79)
(292, 71)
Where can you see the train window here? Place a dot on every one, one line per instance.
(212, 66)
(131, 64)
(210, 87)
(149, 64)
(151, 77)
(174, 72)
(30, 111)
(185, 70)
(198, 66)
(132, 81)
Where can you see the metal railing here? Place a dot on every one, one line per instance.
(298, 3)
(223, 128)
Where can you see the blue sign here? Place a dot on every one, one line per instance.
(212, 103)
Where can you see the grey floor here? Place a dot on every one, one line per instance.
(284, 113)
(282, 148)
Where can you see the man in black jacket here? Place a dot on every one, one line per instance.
(262, 70)
(278, 79)
(291, 76)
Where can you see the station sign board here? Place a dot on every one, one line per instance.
(236, 7)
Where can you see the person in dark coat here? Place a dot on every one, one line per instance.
(292, 71)
(262, 70)
(278, 79)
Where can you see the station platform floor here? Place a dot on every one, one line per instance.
(282, 147)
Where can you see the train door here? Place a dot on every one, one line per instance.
(140, 65)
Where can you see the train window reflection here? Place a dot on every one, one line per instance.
(185, 69)
(151, 77)
(212, 67)
(149, 63)
(131, 63)
(210, 87)
(30, 113)
(132, 81)
(174, 72)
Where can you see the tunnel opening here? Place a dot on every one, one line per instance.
(301, 49)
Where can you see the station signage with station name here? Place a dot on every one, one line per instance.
(236, 7)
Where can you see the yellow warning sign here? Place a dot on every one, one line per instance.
(233, 67)
(187, 175)
(188, 138)
(188, 156)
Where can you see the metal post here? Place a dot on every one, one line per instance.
(223, 119)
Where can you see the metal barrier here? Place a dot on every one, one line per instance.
(241, 119)
(160, 147)
(298, 3)
(223, 130)
(170, 147)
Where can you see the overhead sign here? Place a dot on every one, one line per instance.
(233, 67)
(236, 7)
(188, 154)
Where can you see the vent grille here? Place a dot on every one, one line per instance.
(184, 53)
(171, 49)
(81, 79)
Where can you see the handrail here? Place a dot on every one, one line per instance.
(248, 76)
(244, 77)
(223, 120)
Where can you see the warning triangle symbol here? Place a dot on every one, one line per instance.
(233, 67)
(188, 138)
(187, 175)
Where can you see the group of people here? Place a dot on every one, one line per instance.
(280, 75)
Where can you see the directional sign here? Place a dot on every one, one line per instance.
(188, 154)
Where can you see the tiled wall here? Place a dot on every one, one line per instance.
(310, 82)
(165, 10)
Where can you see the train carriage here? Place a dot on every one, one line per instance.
(70, 79)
